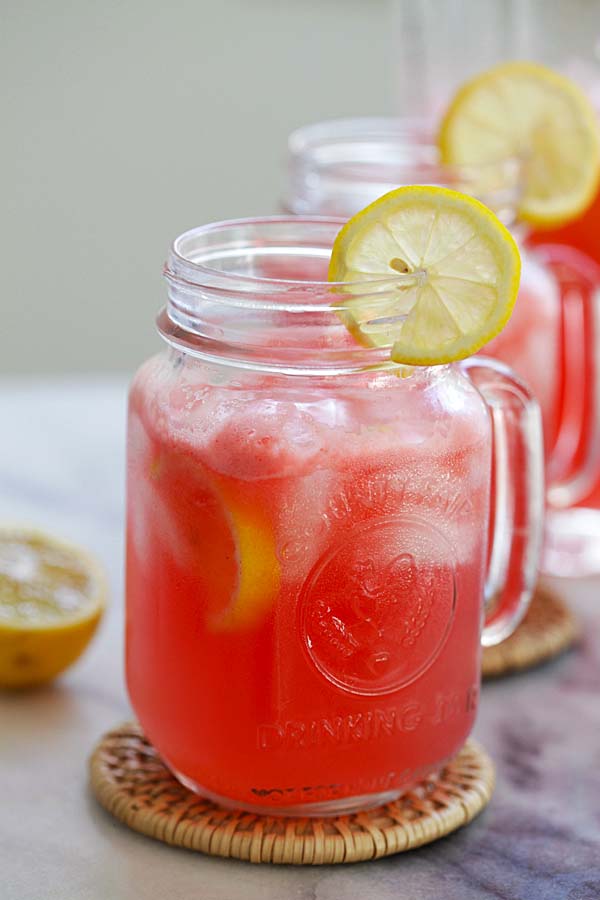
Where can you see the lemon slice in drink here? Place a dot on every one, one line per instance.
(224, 539)
(528, 112)
(257, 567)
(457, 270)
(52, 596)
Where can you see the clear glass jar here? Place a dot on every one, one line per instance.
(307, 532)
(552, 339)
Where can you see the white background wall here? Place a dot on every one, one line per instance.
(124, 122)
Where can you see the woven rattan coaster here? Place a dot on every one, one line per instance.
(548, 629)
(131, 782)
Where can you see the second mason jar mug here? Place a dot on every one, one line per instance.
(552, 339)
(307, 532)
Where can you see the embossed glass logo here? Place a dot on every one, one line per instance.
(376, 609)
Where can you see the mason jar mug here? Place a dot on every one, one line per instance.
(307, 532)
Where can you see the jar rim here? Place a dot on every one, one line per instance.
(188, 267)
(339, 165)
(253, 291)
(397, 131)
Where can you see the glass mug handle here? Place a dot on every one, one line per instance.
(573, 465)
(518, 479)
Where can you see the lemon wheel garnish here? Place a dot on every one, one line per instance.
(525, 111)
(458, 274)
(52, 596)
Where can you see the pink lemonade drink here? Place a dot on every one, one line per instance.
(531, 335)
(306, 535)
(583, 234)
(336, 167)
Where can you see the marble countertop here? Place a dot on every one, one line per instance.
(62, 468)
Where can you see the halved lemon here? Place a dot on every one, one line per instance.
(528, 112)
(52, 596)
(456, 267)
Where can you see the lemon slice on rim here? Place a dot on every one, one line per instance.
(52, 596)
(457, 271)
(528, 112)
